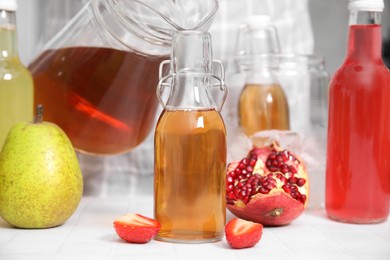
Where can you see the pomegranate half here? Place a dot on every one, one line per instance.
(269, 186)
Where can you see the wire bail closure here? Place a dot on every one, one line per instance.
(164, 82)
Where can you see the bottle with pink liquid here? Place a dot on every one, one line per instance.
(358, 151)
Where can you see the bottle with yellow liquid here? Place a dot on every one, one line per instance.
(262, 102)
(16, 85)
(190, 145)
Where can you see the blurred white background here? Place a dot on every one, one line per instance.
(39, 20)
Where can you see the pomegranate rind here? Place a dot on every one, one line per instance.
(273, 209)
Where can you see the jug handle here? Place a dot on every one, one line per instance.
(161, 68)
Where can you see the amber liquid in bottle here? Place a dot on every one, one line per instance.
(263, 107)
(190, 162)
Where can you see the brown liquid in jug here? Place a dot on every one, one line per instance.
(190, 162)
(104, 99)
(263, 107)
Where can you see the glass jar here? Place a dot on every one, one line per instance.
(305, 82)
(97, 76)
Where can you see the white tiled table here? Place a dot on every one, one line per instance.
(89, 234)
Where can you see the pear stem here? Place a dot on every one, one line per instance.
(39, 115)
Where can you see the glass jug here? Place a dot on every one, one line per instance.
(97, 76)
(190, 144)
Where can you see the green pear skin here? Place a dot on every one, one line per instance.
(41, 183)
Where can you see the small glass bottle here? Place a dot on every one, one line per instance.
(262, 102)
(190, 146)
(16, 85)
(358, 151)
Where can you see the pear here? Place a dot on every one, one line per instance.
(41, 183)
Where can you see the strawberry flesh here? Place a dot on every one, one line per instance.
(136, 228)
(242, 233)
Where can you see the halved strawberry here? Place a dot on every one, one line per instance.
(242, 233)
(136, 228)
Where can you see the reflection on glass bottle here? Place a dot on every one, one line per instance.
(190, 148)
(16, 85)
(262, 103)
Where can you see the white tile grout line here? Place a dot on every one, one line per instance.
(85, 202)
(356, 227)
(288, 250)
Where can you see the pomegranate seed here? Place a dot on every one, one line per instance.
(245, 161)
(286, 189)
(249, 169)
(229, 179)
(264, 190)
(293, 180)
(252, 162)
(293, 194)
(285, 168)
(303, 198)
(272, 156)
(301, 182)
(242, 165)
(293, 170)
(273, 181)
(270, 186)
(231, 196)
